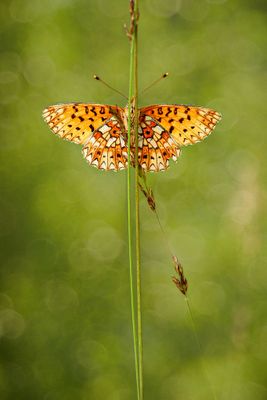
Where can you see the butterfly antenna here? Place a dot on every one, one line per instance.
(97, 78)
(156, 81)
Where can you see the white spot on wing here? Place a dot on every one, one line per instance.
(104, 129)
(148, 118)
(111, 141)
(152, 142)
(158, 129)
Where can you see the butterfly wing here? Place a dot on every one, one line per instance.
(155, 145)
(176, 126)
(186, 124)
(106, 148)
(97, 127)
(76, 121)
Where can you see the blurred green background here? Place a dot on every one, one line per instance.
(65, 324)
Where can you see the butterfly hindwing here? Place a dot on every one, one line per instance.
(106, 148)
(155, 145)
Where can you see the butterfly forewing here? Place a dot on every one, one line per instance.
(185, 124)
(76, 122)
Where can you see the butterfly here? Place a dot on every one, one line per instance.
(102, 131)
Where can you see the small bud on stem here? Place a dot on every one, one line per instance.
(180, 282)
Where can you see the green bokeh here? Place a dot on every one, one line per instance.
(65, 325)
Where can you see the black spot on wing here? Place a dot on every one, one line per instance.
(93, 111)
(169, 111)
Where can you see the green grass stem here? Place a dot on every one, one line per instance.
(133, 129)
(129, 221)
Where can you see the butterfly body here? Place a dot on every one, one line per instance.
(102, 130)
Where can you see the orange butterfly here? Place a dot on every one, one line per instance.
(102, 130)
